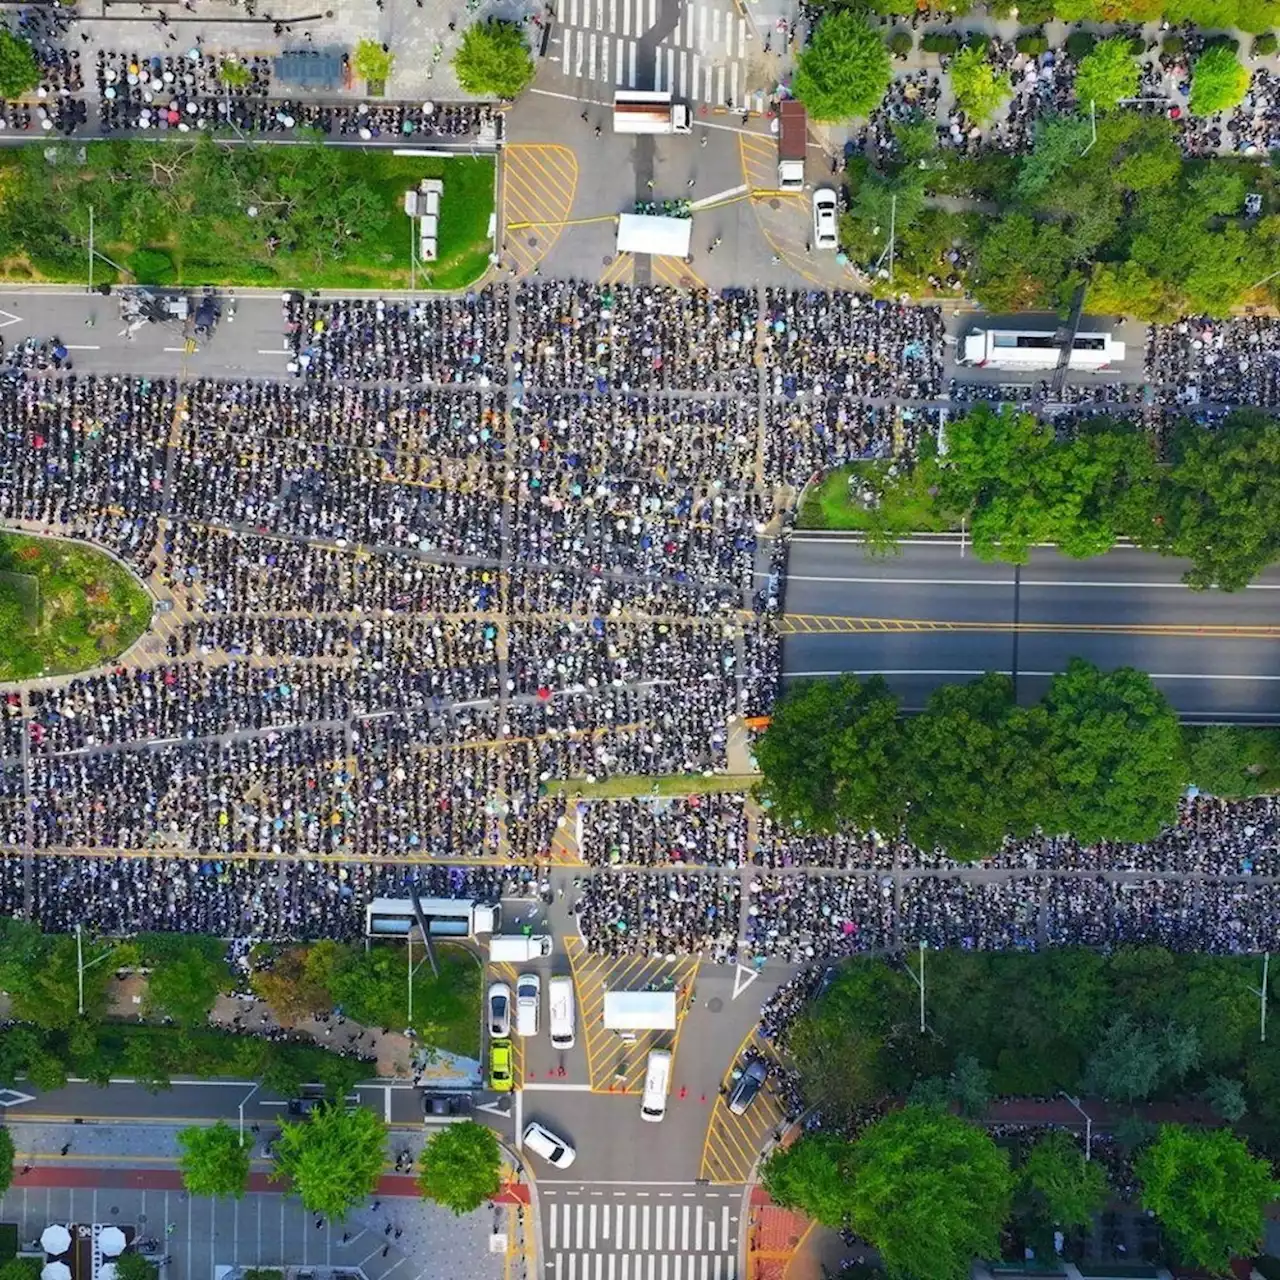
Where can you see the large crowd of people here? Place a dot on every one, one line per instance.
(484, 545)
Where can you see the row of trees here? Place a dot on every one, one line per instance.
(1102, 756)
(1138, 1025)
(931, 1191)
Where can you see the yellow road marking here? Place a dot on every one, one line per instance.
(507, 973)
(539, 182)
(822, 624)
(732, 1143)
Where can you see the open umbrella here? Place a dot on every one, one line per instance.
(55, 1239)
(56, 1271)
(111, 1241)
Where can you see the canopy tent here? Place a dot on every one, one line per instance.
(111, 1241)
(55, 1239)
(56, 1271)
(645, 233)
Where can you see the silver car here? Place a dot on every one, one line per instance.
(499, 1007)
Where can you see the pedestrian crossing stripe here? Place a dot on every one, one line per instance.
(641, 1266)
(699, 1228)
(688, 76)
(702, 27)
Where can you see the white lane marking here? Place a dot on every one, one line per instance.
(591, 1227)
(617, 74)
(915, 671)
(644, 1226)
(552, 1235)
(70, 347)
(177, 350)
(724, 1227)
(555, 1086)
(631, 66)
(1026, 582)
(684, 1229)
(9, 318)
(274, 351)
(631, 1228)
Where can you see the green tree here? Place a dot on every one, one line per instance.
(970, 1086)
(1021, 263)
(1218, 81)
(929, 1191)
(19, 69)
(234, 74)
(48, 995)
(296, 983)
(185, 986)
(214, 1161)
(830, 754)
(133, 1266)
(1063, 1188)
(1221, 499)
(979, 87)
(1226, 1096)
(373, 61)
(333, 1159)
(1107, 74)
(493, 59)
(21, 1269)
(844, 70)
(1116, 748)
(461, 1166)
(814, 1174)
(1208, 1192)
(1231, 760)
(7, 1154)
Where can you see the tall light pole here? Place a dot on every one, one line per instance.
(90, 251)
(243, 1100)
(1261, 993)
(919, 981)
(1088, 1125)
(81, 967)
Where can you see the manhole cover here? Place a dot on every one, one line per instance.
(532, 242)
(775, 203)
(607, 259)
(115, 1210)
(715, 1004)
(142, 1217)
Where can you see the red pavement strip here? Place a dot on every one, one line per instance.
(171, 1180)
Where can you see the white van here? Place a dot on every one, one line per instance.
(560, 1007)
(515, 948)
(657, 1081)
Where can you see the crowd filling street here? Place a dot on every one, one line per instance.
(469, 548)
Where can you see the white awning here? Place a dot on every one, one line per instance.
(643, 233)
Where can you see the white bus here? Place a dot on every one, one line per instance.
(446, 917)
(646, 111)
(1024, 350)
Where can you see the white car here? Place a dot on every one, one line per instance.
(528, 998)
(544, 1143)
(825, 232)
(499, 1005)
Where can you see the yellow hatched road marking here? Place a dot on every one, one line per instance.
(732, 1143)
(824, 624)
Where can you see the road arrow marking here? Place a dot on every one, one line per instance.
(12, 1098)
(495, 1109)
(10, 318)
(742, 979)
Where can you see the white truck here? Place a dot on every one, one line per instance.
(642, 111)
(793, 145)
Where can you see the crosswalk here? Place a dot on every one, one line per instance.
(599, 1240)
(701, 60)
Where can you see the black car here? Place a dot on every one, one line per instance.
(748, 1084)
(441, 1106)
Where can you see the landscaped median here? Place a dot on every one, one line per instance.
(209, 212)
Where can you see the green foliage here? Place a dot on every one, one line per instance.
(372, 61)
(1107, 73)
(1173, 46)
(21, 1269)
(829, 756)
(19, 69)
(7, 1154)
(844, 70)
(296, 984)
(1021, 263)
(214, 1160)
(235, 75)
(1117, 755)
(1232, 761)
(1058, 1185)
(1208, 1192)
(1265, 45)
(1226, 1097)
(186, 987)
(1218, 82)
(494, 60)
(1134, 1060)
(970, 1087)
(1031, 42)
(152, 266)
(979, 87)
(899, 42)
(930, 1192)
(333, 1160)
(133, 1266)
(940, 42)
(1079, 45)
(461, 1166)
(814, 1175)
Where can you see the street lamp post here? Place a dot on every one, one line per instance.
(1088, 1125)
(918, 978)
(243, 1100)
(81, 967)
(1261, 993)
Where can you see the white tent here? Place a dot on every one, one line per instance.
(111, 1241)
(56, 1271)
(644, 233)
(55, 1239)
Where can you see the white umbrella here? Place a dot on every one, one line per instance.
(111, 1241)
(55, 1239)
(56, 1271)
(107, 1271)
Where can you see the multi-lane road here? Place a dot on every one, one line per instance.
(941, 616)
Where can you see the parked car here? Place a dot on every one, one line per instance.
(541, 1141)
(528, 1000)
(501, 1066)
(748, 1085)
(443, 1106)
(825, 228)
(499, 1006)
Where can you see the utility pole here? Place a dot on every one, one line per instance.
(893, 224)
(79, 972)
(1261, 993)
(413, 256)
(918, 978)
(1093, 122)
(1088, 1125)
(91, 248)
(409, 940)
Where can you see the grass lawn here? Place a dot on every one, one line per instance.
(64, 607)
(186, 222)
(671, 784)
(906, 504)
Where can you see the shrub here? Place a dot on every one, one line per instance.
(900, 42)
(1173, 46)
(1265, 45)
(1032, 42)
(1137, 47)
(1080, 43)
(151, 266)
(940, 42)
(976, 40)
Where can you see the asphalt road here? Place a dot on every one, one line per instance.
(1207, 677)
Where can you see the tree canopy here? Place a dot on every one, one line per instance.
(1208, 1191)
(185, 986)
(1062, 1187)
(214, 1160)
(132, 1265)
(814, 1174)
(978, 85)
(19, 69)
(6, 1159)
(844, 70)
(494, 59)
(930, 1191)
(372, 61)
(1218, 81)
(332, 1159)
(1107, 73)
(461, 1166)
